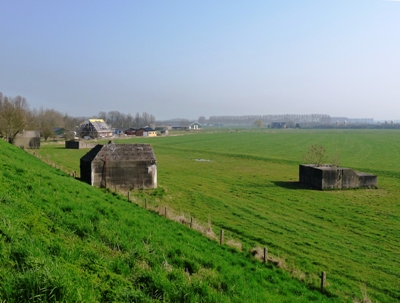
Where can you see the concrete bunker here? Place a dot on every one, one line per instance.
(28, 139)
(332, 177)
(74, 144)
(126, 166)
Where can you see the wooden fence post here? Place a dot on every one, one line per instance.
(191, 222)
(323, 280)
(145, 203)
(165, 211)
(265, 255)
(221, 237)
(129, 198)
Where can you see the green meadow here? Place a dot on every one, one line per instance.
(64, 241)
(246, 184)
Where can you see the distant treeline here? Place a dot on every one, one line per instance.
(117, 119)
(290, 120)
(16, 116)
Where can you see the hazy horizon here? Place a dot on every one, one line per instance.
(181, 59)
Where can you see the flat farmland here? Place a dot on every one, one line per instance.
(247, 185)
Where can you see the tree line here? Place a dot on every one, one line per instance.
(116, 119)
(290, 119)
(16, 116)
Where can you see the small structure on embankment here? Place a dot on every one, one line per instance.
(126, 166)
(28, 139)
(78, 144)
(332, 177)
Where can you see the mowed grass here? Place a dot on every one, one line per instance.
(249, 188)
(64, 241)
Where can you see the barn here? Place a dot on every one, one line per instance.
(94, 128)
(126, 166)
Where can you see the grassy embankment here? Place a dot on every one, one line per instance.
(250, 189)
(64, 241)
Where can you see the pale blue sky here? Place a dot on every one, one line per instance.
(185, 59)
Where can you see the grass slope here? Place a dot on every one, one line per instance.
(64, 241)
(250, 189)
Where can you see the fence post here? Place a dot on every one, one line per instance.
(265, 255)
(191, 222)
(165, 211)
(145, 203)
(323, 280)
(221, 237)
(129, 198)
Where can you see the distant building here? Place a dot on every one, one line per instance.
(146, 132)
(194, 125)
(59, 132)
(278, 125)
(180, 125)
(126, 166)
(94, 128)
(130, 132)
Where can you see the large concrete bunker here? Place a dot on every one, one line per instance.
(331, 177)
(126, 166)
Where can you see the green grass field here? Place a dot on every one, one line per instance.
(249, 188)
(64, 241)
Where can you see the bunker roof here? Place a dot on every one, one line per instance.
(121, 152)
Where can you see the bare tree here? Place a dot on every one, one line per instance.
(47, 120)
(13, 116)
(102, 115)
(258, 123)
(70, 123)
(202, 120)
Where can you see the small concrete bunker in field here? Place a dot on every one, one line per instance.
(126, 166)
(332, 177)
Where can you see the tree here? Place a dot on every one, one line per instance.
(202, 120)
(13, 116)
(47, 132)
(70, 123)
(258, 123)
(102, 115)
(47, 120)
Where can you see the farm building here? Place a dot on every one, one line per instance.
(146, 132)
(330, 177)
(126, 166)
(94, 128)
(279, 125)
(59, 132)
(179, 125)
(130, 131)
(27, 139)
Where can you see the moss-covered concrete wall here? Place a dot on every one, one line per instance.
(124, 174)
(329, 177)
